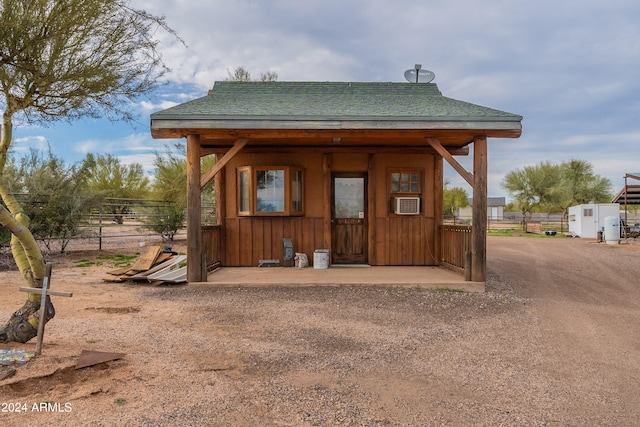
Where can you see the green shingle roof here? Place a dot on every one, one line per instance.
(329, 101)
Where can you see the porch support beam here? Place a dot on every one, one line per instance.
(326, 195)
(479, 221)
(194, 208)
(237, 146)
(438, 208)
(219, 197)
(377, 149)
(371, 210)
(451, 160)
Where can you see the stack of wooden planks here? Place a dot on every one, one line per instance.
(155, 267)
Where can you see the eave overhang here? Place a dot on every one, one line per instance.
(302, 113)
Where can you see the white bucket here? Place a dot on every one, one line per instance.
(321, 259)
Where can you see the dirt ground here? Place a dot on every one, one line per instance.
(554, 341)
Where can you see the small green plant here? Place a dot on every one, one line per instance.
(85, 263)
(120, 401)
(119, 260)
(115, 261)
(91, 341)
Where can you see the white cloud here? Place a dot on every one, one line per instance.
(150, 106)
(146, 160)
(137, 142)
(24, 144)
(569, 68)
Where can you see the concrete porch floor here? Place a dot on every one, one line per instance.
(405, 276)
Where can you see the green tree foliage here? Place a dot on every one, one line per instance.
(50, 194)
(533, 186)
(61, 60)
(453, 199)
(581, 185)
(555, 187)
(170, 185)
(109, 178)
(241, 74)
(170, 180)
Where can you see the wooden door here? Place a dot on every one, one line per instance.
(348, 221)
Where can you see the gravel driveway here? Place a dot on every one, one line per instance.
(553, 342)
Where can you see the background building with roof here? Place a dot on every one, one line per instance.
(495, 209)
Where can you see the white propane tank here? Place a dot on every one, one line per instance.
(612, 230)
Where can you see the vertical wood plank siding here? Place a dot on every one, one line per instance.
(456, 242)
(211, 243)
(409, 240)
(251, 239)
(405, 241)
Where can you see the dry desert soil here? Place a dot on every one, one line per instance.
(554, 341)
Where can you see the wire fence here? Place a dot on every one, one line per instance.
(514, 220)
(114, 222)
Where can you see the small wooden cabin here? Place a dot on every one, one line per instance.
(355, 168)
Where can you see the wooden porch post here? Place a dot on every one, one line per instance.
(194, 208)
(326, 179)
(479, 225)
(221, 213)
(438, 190)
(371, 210)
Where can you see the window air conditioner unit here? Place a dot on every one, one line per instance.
(406, 205)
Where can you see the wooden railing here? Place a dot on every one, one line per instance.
(456, 243)
(211, 244)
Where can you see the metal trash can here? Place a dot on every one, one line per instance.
(321, 259)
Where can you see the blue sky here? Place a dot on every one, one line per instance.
(570, 68)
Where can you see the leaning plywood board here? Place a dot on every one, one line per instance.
(167, 264)
(148, 260)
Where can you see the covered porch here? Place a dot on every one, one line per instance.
(323, 131)
(394, 276)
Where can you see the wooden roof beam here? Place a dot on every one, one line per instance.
(237, 146)
(207, 149)
(451, 160)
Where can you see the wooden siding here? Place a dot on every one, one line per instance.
(251, 239)
(405, 241)
(392, 239)
(211, 244)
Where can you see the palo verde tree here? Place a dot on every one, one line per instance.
(533, 186)
(579, 185)
(170, 185)
(62, 60)
(109, 177)
(52, 195)
(556, 186)
(582, 185)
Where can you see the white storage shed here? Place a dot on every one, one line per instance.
(587, 220)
